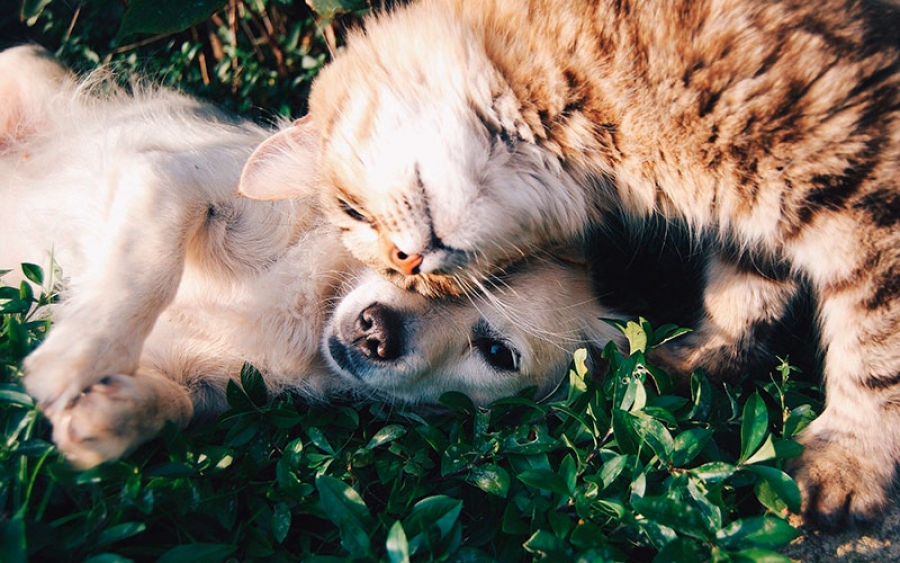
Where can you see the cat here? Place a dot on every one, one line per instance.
(172, 282)
(458, 137)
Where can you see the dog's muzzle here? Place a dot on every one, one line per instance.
(375, 336)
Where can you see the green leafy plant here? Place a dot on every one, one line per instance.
(626, 466)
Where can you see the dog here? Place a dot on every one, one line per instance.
(172, 281)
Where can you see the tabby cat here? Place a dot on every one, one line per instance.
(457, 137)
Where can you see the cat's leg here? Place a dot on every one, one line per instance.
(116, 415)
(133, 275)
(847, 469)
(740, 309)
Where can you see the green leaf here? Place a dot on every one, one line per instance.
(545, 480)
(674, 512)
(714, 472)
(14, 307)
(7, 292)
(455, 458)
(237, 398)
(120, 532)
(775, 489)
(288, 480)
(165, 16)
(387, 434)
(198, 553)
(281, 521)
(491, 478)
(798, 419)
(14, 394)
(14, 545)
(786, 449)
(318, 439)
(343, 506)
(458, 402)
(437, 512)
(254, 385)
(624, 432)
(757, 531)
(701, 394)
(107, 558)
(754, 426)
(682, 549)
(758, 555)
(612, 468)
(764, 453)
(666, 333)
(630, 394)
(636, 335)
(328, 9)
(711, 512)
(577, 383)
(245, 425)
(689, 444)
(396, 544)
(33, 272)
(31, 9)
(656, 435)
(545, 543)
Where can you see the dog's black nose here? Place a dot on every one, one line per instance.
(376, 333)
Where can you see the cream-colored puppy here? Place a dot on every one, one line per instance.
(172, 280)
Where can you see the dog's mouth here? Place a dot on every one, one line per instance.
(340, 354)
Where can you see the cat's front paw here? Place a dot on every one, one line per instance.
(113, 417)
(843, 479)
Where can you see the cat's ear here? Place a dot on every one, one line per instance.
(284, 166)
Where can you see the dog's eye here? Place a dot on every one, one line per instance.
(498, 354)
(351, 212)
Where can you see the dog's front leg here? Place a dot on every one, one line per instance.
(117, 414)
(155, 205)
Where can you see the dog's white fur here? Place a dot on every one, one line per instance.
(172, 281)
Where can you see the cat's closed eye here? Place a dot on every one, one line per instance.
(351, 212)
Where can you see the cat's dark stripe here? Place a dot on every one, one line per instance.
(888, 290)
(882, 206)
(876, 383)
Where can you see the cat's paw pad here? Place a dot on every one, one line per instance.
(839, 486)
(105, 422)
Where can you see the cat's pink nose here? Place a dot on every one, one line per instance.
(406, 263)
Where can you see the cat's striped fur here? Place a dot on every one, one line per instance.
(458, 136)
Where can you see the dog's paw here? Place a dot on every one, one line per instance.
(108, 420)
(840, 484)
(71, 360)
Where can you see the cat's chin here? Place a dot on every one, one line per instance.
(429, 285)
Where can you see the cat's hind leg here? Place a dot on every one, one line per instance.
(848, 466)
(847, 469)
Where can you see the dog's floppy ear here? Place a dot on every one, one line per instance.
(284, 165)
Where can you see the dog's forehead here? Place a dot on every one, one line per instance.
(545, 293)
